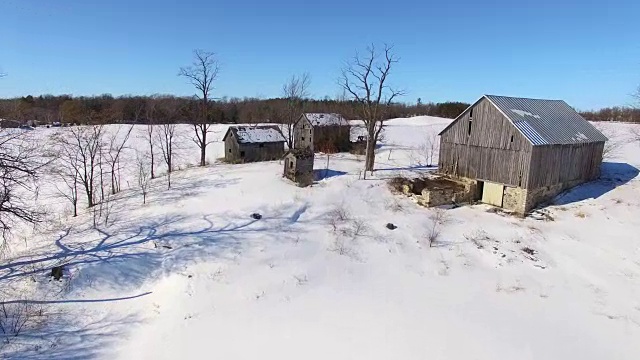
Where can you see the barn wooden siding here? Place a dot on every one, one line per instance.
(319, 138)
(252, 151)
(555, 164)
(303, 134)
(495, 151)
(331, 138)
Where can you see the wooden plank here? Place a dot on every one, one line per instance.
(492, 194)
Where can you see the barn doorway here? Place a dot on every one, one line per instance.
(492, 194)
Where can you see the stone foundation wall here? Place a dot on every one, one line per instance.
(515, 199)
(537, 196)
(437, 197)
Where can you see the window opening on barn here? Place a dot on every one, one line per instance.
(511, 138)
(302, 138)
(471, 114)
(261, 145)
(291, 164)
(241, 153)
(519, 178)
(469, 129)
(229, 150)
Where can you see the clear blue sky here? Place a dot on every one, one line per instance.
(586, 52)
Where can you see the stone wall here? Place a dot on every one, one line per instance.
(437, 197)
(522, 200)
(515, 199)
(537, 196)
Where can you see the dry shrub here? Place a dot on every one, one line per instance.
(346, 235)
(438, 218)
(19, 316)
(337, 216)
(395, 205)
(477, 237)
(581, 214)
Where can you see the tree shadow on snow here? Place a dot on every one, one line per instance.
(612, 175)
(128, 252)
(66, 338)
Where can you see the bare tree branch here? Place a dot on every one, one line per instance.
(21, 162)
(364, 79)
(295, 90)
(201, 74)
(84, 145)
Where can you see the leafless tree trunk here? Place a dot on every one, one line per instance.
(364, 80)
(149, 135)
(20, 166)
(143, 176)
(635, 132)
(201, 74)
(87, 143)
(113, 156)
(295, 90)
(166, 136)
(427, 151)
(614, 143)
(66, 169)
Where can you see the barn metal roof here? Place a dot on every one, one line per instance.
(547, 122)
(322, 119)
(255, 134)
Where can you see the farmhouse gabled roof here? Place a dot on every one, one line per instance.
(544, 122)
(255, 134)
(326, 119)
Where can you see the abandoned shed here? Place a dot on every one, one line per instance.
(519, 151)
(298, 166)
(253, 143)
(322, 132)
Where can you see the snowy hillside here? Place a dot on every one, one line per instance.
(191, 275)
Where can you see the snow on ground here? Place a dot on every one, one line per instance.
(192, 275)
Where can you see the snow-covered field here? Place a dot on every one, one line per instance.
(190, 275)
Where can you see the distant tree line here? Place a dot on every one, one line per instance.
(620, 114)
(106, 109)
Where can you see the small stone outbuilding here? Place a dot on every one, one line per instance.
(298, 166)
(322, 132)
(253, 143)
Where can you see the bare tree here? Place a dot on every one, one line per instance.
(149, 134)
(635, 132)
(143, 175)
(295, 91)
(66, 169)
(20, 166)
(166, 136)
(614, 143)
(116, 144)
(87, 143)
(201, 74)
(438, 218)
(364, 80)
(427, 151)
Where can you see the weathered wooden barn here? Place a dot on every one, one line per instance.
(322, 132)
(520, 151)
(253, 143)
